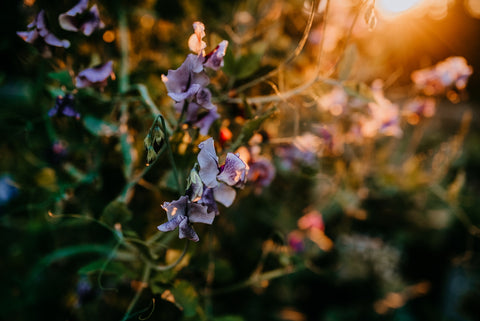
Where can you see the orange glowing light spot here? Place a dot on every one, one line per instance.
(397, 6)
(413, 119)
(147, 21)
(108, 36)
(453, 96)
(473, 8)
(29, 3)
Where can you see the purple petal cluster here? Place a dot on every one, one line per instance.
(96, 76)
(79, 18)
(64, 106)
(187, 84)
(40, 36)
(208, 185)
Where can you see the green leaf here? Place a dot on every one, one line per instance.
(346, 64)
(250, 127)
(359, 90)
(55, 91)
(243, 66)
(63, 77)
(99, 265)
(116, 212)
(99, 127)
(186, 296)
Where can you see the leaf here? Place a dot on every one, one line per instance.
(116, 212)
(99, 265)
(359, 90)
(250, 127)
(99, 127)
(346, 64)
(63, 77)
(242, 67)
(186, 296)
(55, 91)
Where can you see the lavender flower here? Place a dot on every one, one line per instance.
(232, 174)
(40, 36)
(214, 60)
(96, 76)
(64, 106)
(79, 19)
(182, 213)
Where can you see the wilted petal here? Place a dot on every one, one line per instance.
(195, 42)
(95, 76)
(224, 194)
(185, 230)
(199, 214)
(172, 224)
(234, 171)
(214, 60)
(208, 161)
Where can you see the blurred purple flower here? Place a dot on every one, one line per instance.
(40, 36)
(8, 189)
(95, 76)
(214, 60)
(64, 106)
(261, 172)
(182, 213)
(79, 19)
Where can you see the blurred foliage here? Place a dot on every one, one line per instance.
(346, 224)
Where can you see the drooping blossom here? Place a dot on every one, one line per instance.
(182, 213)
(222, 179)
(96, 76)
(80, 19)
(452, 72)
(40, 36)
(187, 84)
(64, 106)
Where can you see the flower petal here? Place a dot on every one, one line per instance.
(234, 171)
(199, 214)
(174, 208)
(215, 58)
(172, 224)
(185, 230)
(224, 194)
(208, 161)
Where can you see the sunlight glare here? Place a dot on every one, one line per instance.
(397, 6)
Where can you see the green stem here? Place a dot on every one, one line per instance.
(145, 277)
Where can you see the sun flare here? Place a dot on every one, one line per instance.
(397, 6)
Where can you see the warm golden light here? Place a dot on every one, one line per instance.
(397, 6)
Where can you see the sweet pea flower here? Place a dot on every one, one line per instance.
(95, 76)
(64, 106)
(182, 213)
(214, 60)
(79, 19)
(40, 36)
(221, 178)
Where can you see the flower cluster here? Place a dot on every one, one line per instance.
(80, 19)
(452, 72)
(208, 183)
(39, 36)
(187, 84)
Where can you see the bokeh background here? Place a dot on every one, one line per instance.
(403, 262)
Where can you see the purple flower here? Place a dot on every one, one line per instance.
(40, 36)
(261, 173)
(64, 106)
(214, 60)
(8, 189)
(79, 19)
(182, 213)
(184, 82)
(221, 179)
(96, 76)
